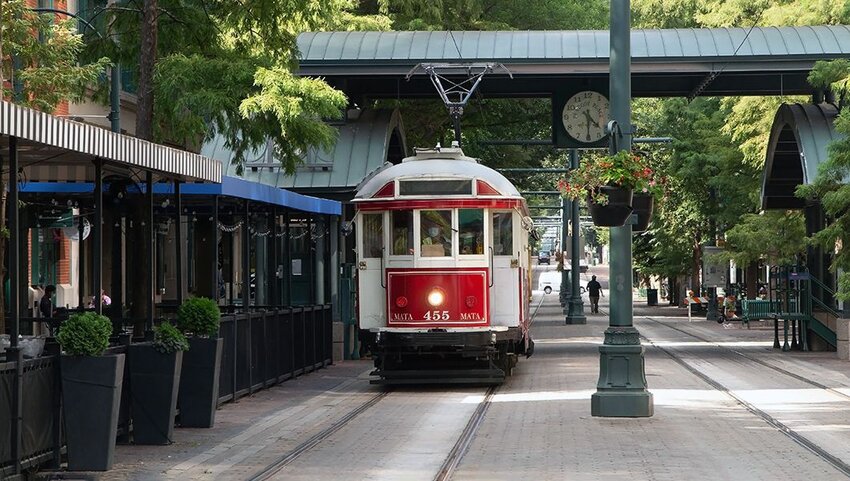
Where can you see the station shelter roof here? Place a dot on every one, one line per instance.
(364, 143)
(52, 148)
(797, 146)
(667, 62)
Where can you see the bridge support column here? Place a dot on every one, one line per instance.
(621, 390)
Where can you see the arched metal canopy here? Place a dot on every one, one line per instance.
(799, 139)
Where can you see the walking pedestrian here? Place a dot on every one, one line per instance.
(594, 289)
(45, 305)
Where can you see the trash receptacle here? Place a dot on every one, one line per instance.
(652, 297)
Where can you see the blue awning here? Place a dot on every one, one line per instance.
(230, 187)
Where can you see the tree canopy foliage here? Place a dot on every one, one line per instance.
(39, 56)
(224, 67)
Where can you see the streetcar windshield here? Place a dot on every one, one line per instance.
(402, 232)
(373, 235)
(503, 233)
(435, 227)
(471, 231)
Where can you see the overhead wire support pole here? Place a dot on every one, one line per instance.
(621, 389)
(575, 312)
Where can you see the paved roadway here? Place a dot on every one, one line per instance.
(727, 406)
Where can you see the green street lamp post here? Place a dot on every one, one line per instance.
(621, 390)
(565, 280)
(575, 306)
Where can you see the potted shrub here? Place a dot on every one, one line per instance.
(609, 183)
(154, 380)
(91, 391)
(199, 319)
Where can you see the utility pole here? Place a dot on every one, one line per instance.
(621, 389)
(575, 312)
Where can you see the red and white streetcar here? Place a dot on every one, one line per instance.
(443, 270)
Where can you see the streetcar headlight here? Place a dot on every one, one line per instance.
(436, 297)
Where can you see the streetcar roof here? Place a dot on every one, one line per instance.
(436, 164)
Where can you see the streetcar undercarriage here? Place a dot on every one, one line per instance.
(441, 357)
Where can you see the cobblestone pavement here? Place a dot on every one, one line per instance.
(539, 425)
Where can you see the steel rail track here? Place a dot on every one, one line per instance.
(755, 360)
(795, 436)
(312, 442)
(446, 470)
(462, 444)
(469, 432)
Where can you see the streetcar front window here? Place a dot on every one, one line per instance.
(503, 233)
(435, 227)
(402, 230)
(471, 231)
(373, 235)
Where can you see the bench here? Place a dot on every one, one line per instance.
(757, 310)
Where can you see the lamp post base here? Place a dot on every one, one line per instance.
(621, 390)
(575, 311)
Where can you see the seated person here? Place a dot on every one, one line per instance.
(435, 237)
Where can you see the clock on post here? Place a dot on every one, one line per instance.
(579, 119)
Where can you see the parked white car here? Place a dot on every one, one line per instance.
(549, 281)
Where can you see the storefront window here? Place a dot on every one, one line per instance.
(373, 235)
(435, 227)
(503, 233)
(471, 231)
(402, 229)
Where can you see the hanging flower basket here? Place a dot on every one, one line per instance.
(608, 183)
(643, 205)
(616, 209)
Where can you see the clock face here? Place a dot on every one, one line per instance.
(585, 115)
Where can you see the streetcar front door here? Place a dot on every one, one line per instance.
(370, 271)
(505, 293)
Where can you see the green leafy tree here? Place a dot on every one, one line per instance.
(774, 237)
(40, 57)
(832, 189)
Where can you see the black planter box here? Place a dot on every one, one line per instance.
(616, 212)
(198, 398)
(91, 393)
(154, 381)
(642, 205)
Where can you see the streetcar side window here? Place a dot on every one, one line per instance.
(435, 227)
(402, 232)
(503, 233)
(471, 231)
(373, 235)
